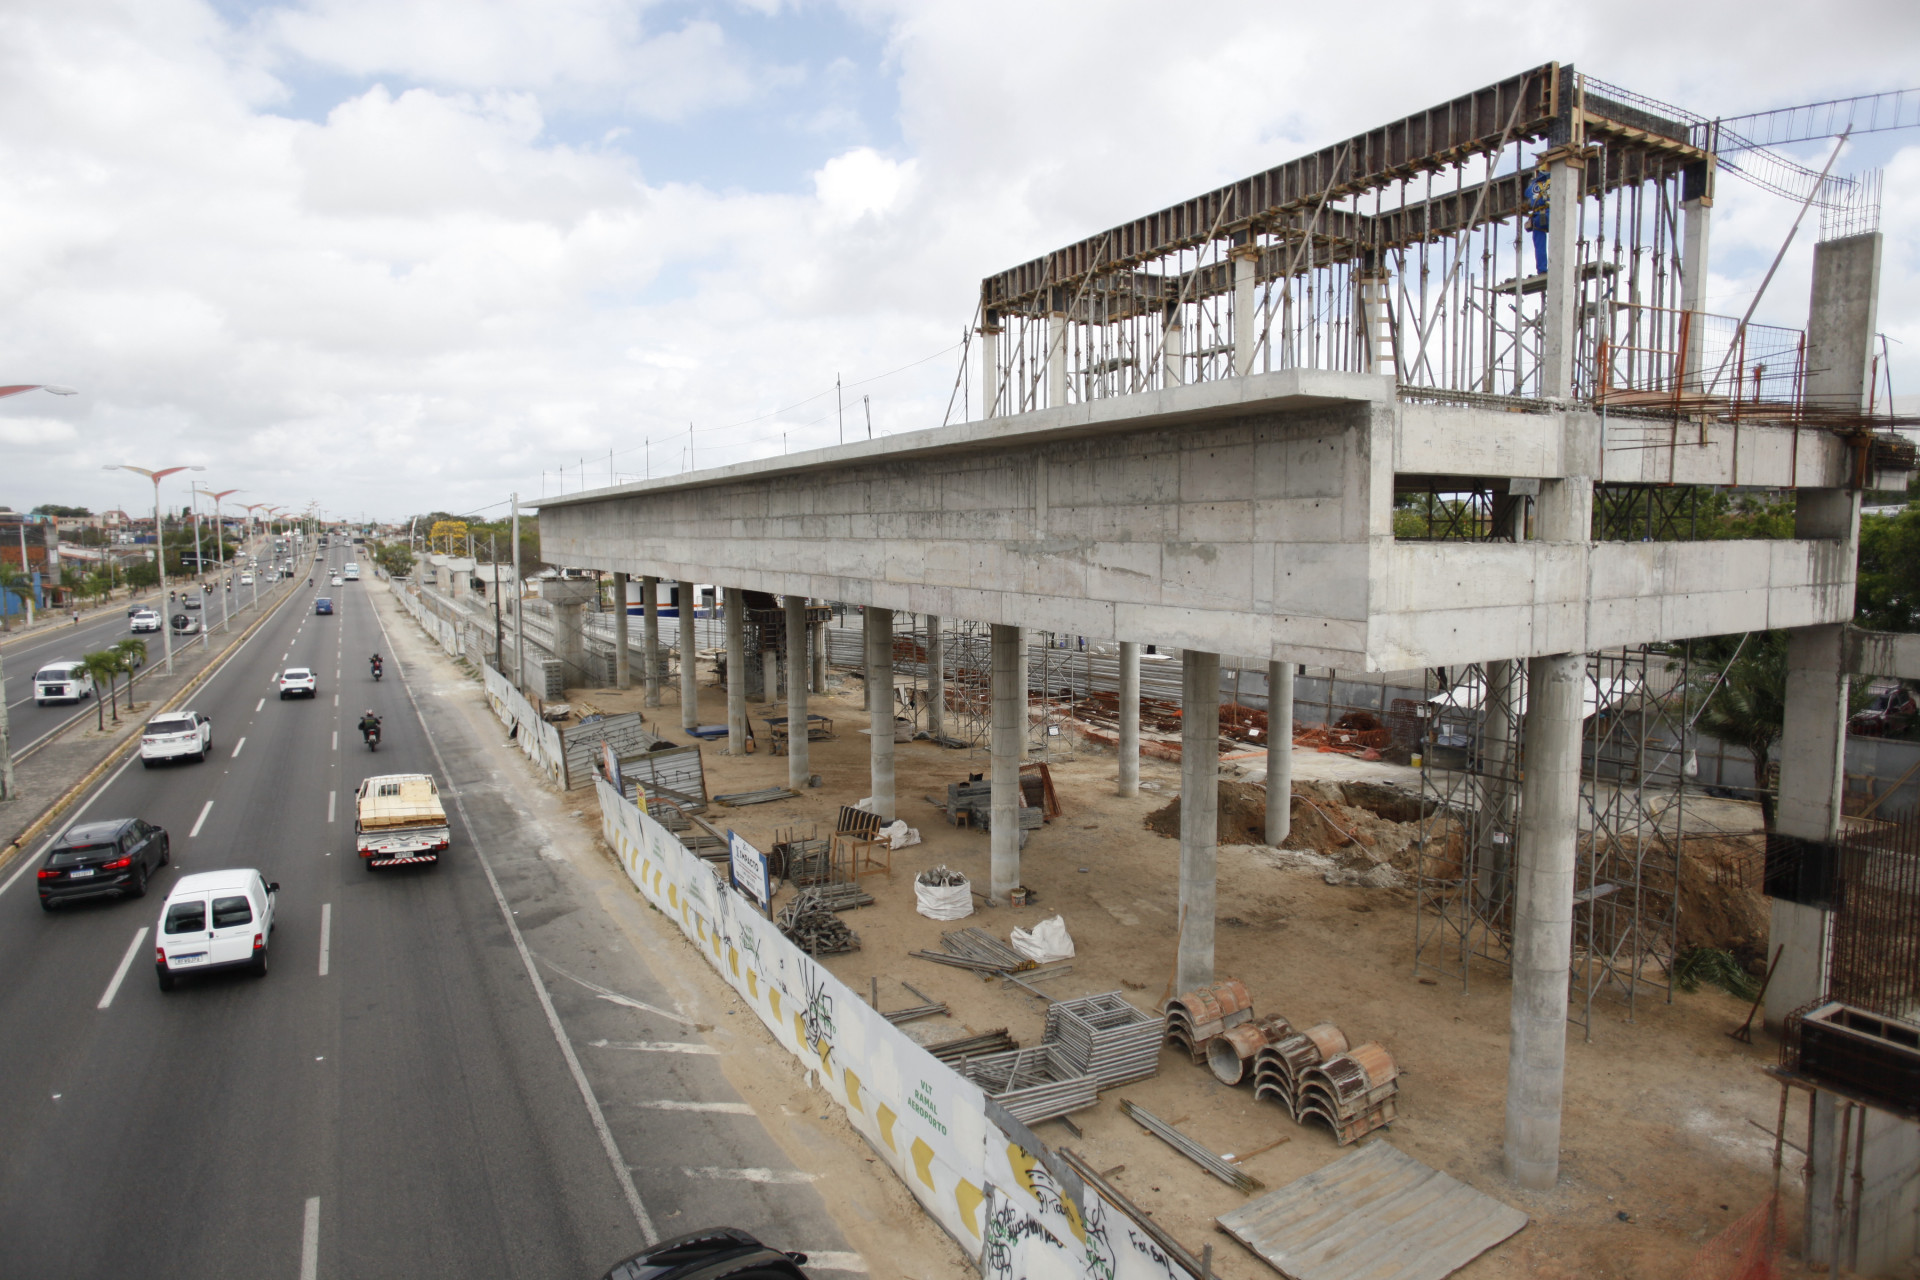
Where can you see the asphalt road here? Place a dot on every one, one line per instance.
(399, 1096)
(28, 722)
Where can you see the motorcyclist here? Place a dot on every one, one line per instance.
(369, 724)
(375, 666)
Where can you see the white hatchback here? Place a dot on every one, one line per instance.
(298, 682)
(176, 735)
(215, 920)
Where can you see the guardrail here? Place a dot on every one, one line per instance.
(993, 1186)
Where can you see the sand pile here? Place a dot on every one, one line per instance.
(1367, 830)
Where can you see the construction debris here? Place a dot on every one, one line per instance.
(983, 951)
(841, 897)
(1192, 1150)
(763, 796)
(1230, 1054)
(1106, 1038)
(1032, 1084)
(941, 893)
(810, 924)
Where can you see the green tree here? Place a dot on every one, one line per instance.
(1743, 702)
(55, 509)
(103, 665)
(395, 557)
(1888, 598)
(132, 653)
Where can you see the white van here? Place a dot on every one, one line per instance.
(352, 571)
(215, 920)
(62, 681)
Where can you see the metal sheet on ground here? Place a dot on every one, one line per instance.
(1376, 1214)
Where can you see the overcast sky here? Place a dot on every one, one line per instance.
(393, 255)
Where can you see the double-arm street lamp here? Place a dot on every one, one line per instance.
(219, 547)
(159, 537)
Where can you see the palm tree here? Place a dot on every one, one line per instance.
(102, 665)
(132, 653)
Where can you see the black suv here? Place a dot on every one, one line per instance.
(117, 856)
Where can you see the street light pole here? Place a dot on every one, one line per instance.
(220, 552)
(159, 539)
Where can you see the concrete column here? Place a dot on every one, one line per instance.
(1129, 718)
(689, 674)
(622, 661)
(880, 705)
(650, 638)
(1696, 218)
(1543, 918)
(1056, 360)
(1023, 681)
(769, 676)
(866, 659)
(1009, 730)
(1567, 170)
(736, 672)
(1279, 751)
(936, 680)
(1173, 352)
(1199, 815)
(797, 672)
(990, 367)
(1246, 321)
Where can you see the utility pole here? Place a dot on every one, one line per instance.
(26, 571)
(840, 408)
(493, 559)
(866, 402)
(519, 630)
(6, 743)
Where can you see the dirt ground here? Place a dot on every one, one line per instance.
(1667, 1122)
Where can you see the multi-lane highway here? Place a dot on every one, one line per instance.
(399, 1096)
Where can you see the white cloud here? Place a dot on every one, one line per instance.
(426, 292)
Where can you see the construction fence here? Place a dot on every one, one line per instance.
(994, 1187)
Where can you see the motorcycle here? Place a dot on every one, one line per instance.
(376, 671)
(373, 738)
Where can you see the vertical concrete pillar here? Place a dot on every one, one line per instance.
(1056, 360)
(1279, 751)
(1024, 682)
(798, 769)
(689, 668)
(1009, 730)
(1246, 319)
(1696, 213)
(866, 659)
(1129, 711)
(622, 661)
(769, 675)
(936, 680)
(1543, 918)
(650, 638)
(1173, 352)
(1560, 322)
(990, 366)
(1199, 815)
(880, 704)
(736, 672)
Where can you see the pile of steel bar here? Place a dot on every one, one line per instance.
(813, 927)
(762, 796)
(913, 1011)
(1105, 1037)
(1032, 1084)
(840, 897)
(983, 949)
(954, 1052)
(1192, 1150)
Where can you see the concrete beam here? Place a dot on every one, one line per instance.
(1883, 653)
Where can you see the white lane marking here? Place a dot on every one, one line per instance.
(330, 796)
(236, 748)
(653, 1046)
(326, 935)
(779, 1177)
(201, 821)
(310, 1241)
(336, 697)
(717, 1108)
(336, 739)
(126, 963)
(258, 705)
(614, 996)
(607, 1143)
(827, 1260)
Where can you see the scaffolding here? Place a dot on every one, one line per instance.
(1627, 849)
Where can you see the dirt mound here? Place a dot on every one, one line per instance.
(1243, 815)
(1359, 824)
(1720, 900)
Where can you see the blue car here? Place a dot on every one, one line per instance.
(323, 605)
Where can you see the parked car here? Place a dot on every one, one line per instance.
(215, 920)
(93, 859)
(176, 735)
(298, 682)
(323, 605)
(145, 620)
(62, 681)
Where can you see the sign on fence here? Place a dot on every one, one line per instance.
(749, 869)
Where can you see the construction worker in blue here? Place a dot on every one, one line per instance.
(1537, 198)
